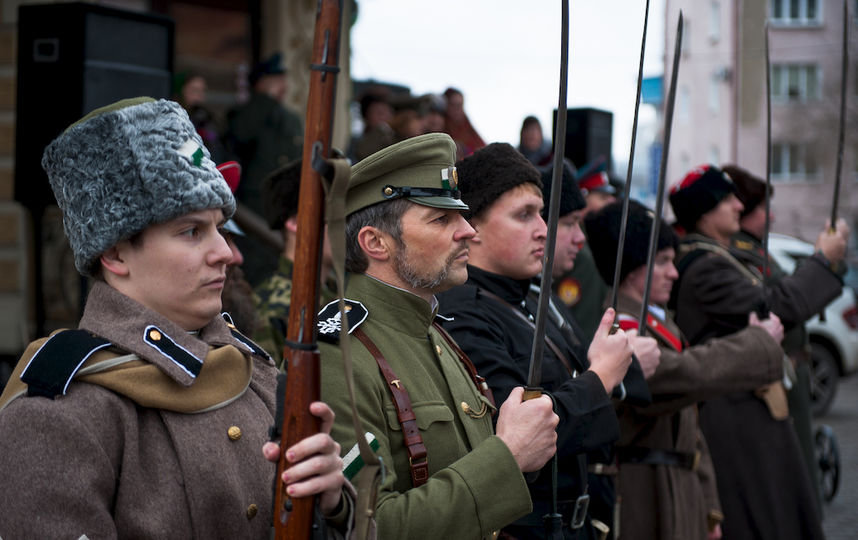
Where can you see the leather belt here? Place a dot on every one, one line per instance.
(654, 456)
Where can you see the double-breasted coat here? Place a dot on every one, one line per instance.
(762, 481)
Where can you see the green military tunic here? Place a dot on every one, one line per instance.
(475, 486)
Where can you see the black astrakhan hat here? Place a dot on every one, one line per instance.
(603, 235)
(571, 198)
(490, 172)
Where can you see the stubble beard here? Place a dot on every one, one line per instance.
(418, 278)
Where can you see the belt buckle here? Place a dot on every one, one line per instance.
(580, 514)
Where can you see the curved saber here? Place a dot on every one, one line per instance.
(844, 70)
(534, 376)
(628, 187)
(659, 198)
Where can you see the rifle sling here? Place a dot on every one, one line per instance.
(548, 341)
(417, 458)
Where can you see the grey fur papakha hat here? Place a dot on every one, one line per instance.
(126, 166)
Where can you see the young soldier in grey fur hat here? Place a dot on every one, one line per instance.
(155, 410)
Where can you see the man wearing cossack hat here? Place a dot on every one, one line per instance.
(448, 474)
(154, 411)
(764, 486)
(666, 479)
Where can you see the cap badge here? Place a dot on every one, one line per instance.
(192, 151)
(449, 178)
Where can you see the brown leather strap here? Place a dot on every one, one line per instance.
(479, 380)
(417, 457)
(548, 341)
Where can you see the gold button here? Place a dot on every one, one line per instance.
(234, 433)
(230, 326)
(154, 335)
(251, 511)
(438, 349)
(388, 191)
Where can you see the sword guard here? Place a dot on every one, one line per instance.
(531, 392)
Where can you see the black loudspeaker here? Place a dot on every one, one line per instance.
(588, 135)
(73, 58)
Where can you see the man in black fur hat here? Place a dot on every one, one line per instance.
(493, 323)
(766, 494)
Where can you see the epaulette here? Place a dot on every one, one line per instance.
(246, 341)
(51, 369)
(330, 319)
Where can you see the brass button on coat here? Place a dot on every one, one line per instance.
(234, 433)
(438, 349)
(251, 511)
(154, 335)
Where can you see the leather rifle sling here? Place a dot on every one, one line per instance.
(417, 458)
(548, 341)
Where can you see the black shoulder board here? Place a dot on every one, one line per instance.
(329, 319)
(158, 340)
(54, 365)
(256, 349)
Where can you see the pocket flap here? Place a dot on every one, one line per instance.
(426, 412)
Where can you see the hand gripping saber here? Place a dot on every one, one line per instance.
(659, 197)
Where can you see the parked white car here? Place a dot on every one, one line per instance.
(833, 337)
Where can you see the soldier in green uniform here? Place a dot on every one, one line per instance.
(448, 474)
(272, 297)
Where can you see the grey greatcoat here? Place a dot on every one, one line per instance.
(762, 481)
(671, 501)
(143, 449)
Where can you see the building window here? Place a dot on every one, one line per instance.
(714, 22)
(795, 82)
(794, 162)
(795, 12)
(714, 93)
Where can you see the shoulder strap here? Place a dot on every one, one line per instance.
(479, 380)
(548, 341)
(54, 365)
(417, 455)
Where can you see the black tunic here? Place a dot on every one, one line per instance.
(499, 341)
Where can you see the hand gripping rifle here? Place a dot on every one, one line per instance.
(298, 518)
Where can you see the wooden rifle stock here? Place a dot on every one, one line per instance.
(294, 518)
